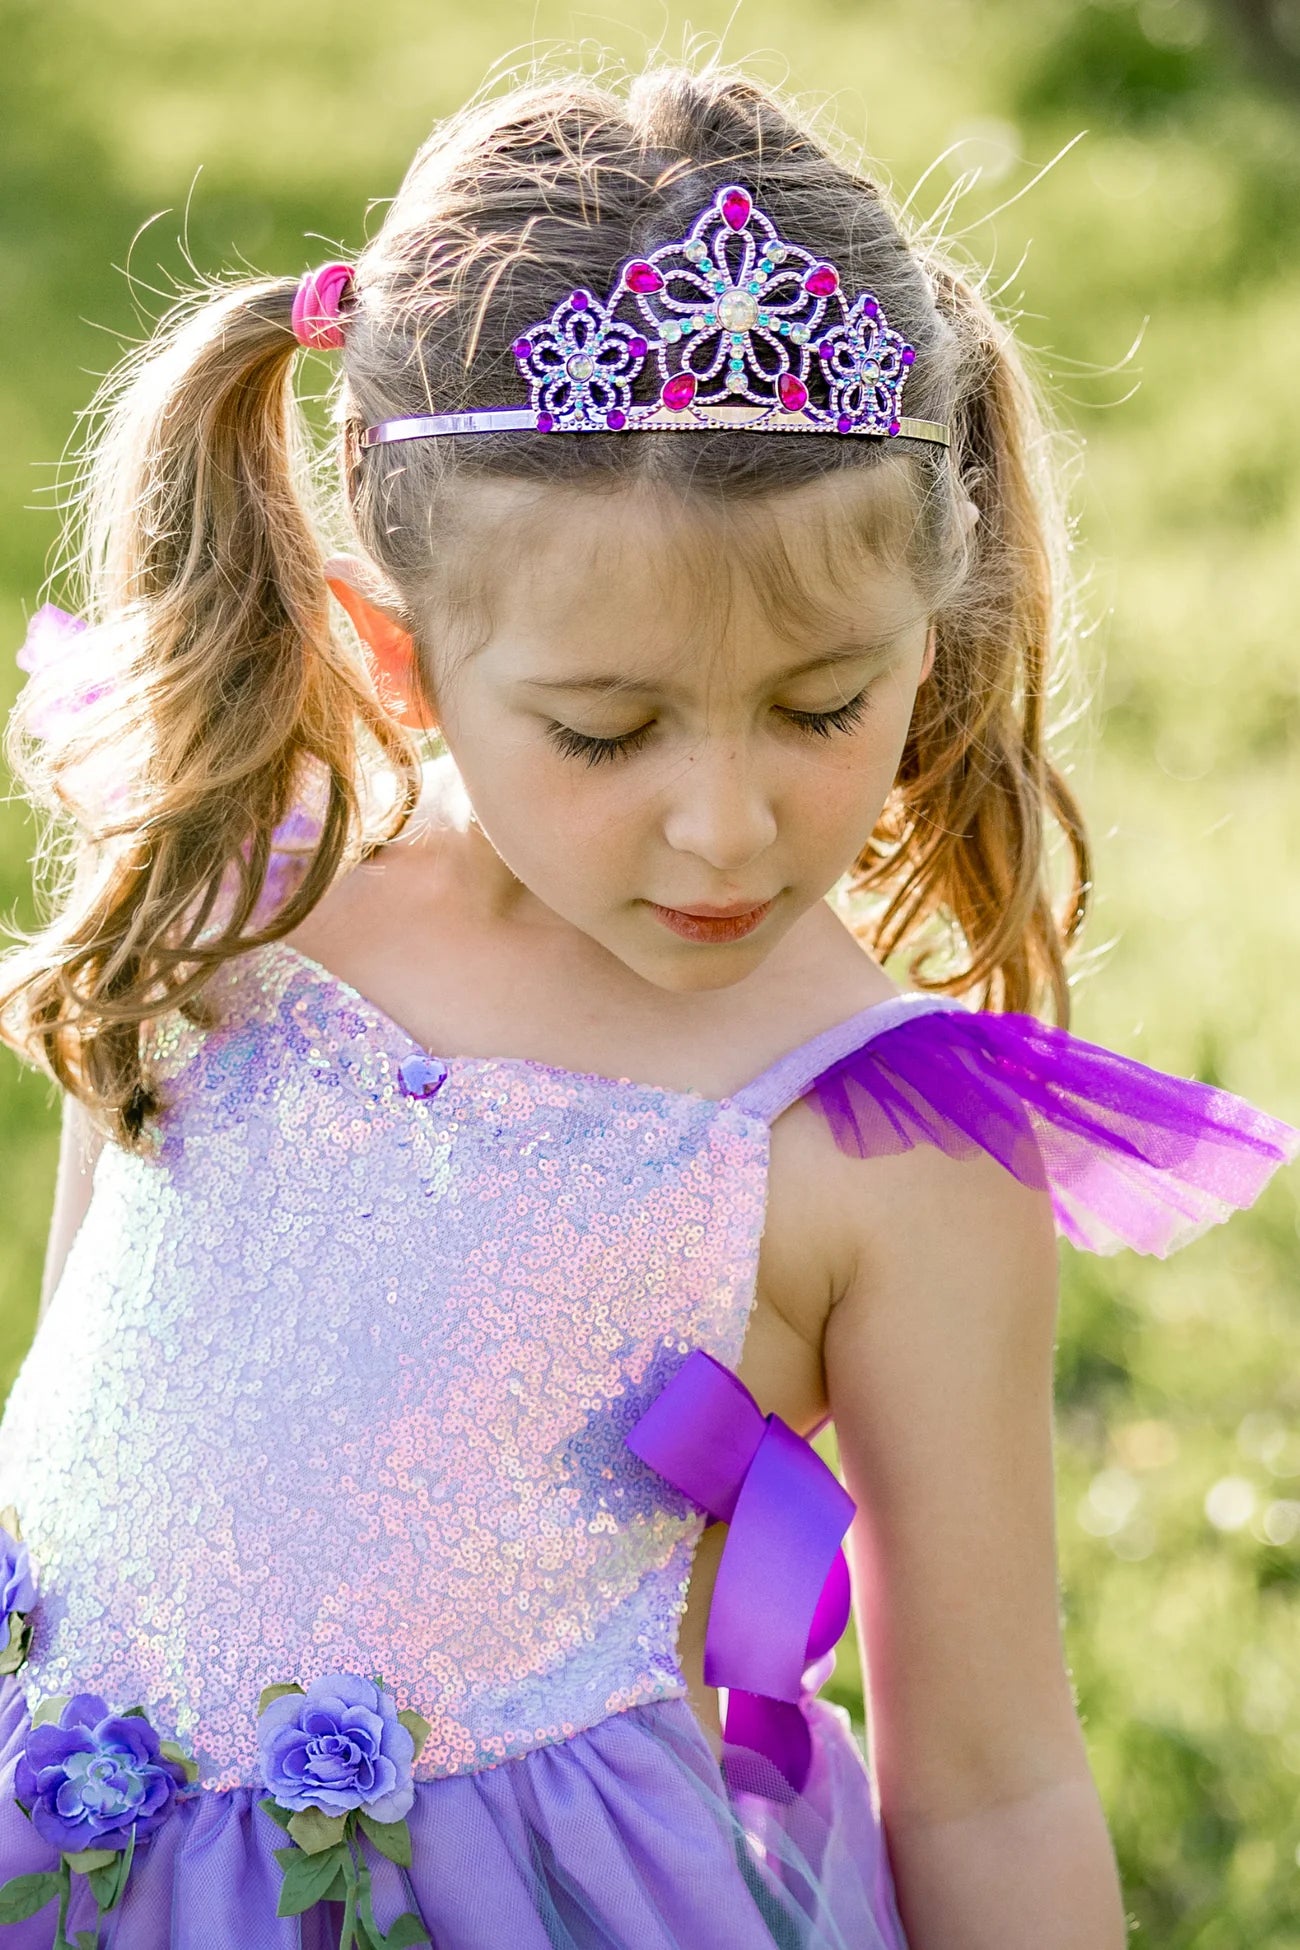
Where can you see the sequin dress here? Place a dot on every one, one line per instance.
(340, 1374)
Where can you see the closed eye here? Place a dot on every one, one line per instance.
(822, 723)
(598, 751)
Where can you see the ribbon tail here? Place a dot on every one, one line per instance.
(781, 1599)
(767, 1748)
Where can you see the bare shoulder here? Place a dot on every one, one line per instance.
(400, 874)
(924, 1209)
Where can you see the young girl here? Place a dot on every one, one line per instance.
(502, 1164)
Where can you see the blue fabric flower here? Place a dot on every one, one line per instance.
(94, 1777)
(338, 1746)
(17, 1586)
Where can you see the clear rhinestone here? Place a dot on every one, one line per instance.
(670, 331)
(737, 310)
(735, 382)
(580, 366)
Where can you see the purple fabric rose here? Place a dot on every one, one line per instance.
(94, 1776)
(17, 1586)
(338, 1746)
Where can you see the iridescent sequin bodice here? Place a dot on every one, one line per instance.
(338, 1377)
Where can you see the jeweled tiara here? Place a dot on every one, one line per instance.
(732, 326)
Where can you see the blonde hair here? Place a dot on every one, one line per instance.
(204, 568)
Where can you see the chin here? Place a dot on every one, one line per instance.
(694, 970)
(699, 980)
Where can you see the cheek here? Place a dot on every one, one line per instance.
(841, 787)
(555, 822)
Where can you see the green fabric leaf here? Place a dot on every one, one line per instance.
(50, 1709)
(83, 1860)
(133, 1713)
(407, 1929)
(127, 1860)
(188, 1765)
(391, 1838)
(313, 1830)
(20, 1633)
(283, 1815)
(106, 1884)
(9, 1522)
(22, 1896)
(307, 1878)
(416, 1725)
(268, 1693)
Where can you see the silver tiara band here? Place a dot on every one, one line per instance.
(521, 419)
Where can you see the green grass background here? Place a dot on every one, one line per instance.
(264, 131)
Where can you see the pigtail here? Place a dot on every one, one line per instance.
(964, 837)
(225, 697)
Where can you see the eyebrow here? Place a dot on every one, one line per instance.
(615, 686)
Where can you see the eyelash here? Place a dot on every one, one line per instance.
(818, 724)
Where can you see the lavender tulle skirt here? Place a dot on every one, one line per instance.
(624, 1837)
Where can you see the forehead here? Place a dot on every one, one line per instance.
(642, 570)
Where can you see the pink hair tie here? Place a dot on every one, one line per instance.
(316, 307)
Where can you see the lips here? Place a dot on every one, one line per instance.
(712, 923)
(731, 913)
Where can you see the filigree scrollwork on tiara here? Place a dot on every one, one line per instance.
(731, 326)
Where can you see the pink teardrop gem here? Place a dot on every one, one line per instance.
(642, 277)
(736, 206)
(678, 391)
(794, 393)
(822, 280)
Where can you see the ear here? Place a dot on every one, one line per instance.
(389, 644)
(930, 644)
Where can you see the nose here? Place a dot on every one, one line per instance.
(720, 808)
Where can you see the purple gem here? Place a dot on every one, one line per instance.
(522, 348)
(545, 422)
(907, 355)
(844, 423)
(871, 308)
(616, 421)
(826, 350)
(421, 1075)
(893, 426)
(580, 300)
(637, 347)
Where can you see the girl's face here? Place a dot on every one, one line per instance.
(677, 752)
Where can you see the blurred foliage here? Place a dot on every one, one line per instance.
(264, 132)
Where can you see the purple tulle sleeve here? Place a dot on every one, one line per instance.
(1132, 1156)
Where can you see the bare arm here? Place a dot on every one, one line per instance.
(939, 1368)
(79, 1146)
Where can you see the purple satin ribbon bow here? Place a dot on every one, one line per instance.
(781, 1600)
